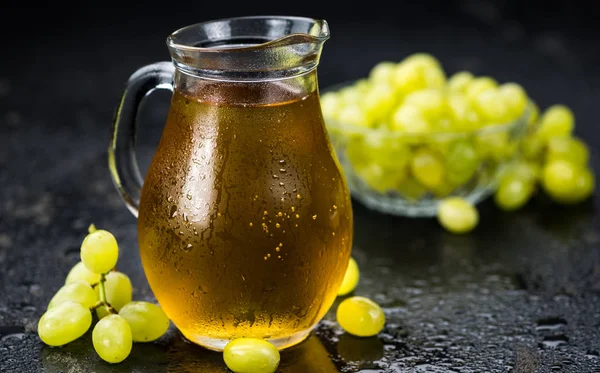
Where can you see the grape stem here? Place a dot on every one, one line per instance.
(102, 292)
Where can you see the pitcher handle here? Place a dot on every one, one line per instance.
(122, 161)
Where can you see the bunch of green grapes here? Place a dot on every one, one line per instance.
(421, 131)
(94, 285)
(552, 157)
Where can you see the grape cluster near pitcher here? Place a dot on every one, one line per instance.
(94, 285)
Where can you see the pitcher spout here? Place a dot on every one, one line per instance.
(249, 48)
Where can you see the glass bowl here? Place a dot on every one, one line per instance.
(379, 164)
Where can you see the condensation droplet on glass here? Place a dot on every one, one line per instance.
(282, 170)
(277, 225)
(314, 217)
(334, 207)
(251, 224)
(282, 161)
(189, 196)
(173, 211)
(243, 278)
(281, 184)
(188, 247)
(297, 216)
(280, 213)
(169, 199)
(278, 249)
(265, 212)
(268, 255)
(298, 196)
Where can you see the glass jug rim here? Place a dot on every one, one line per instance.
(321, 35)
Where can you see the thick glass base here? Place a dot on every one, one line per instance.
(219, 344)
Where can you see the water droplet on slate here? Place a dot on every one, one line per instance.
(554, 341)
(550, 323)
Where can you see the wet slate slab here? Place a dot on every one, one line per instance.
(520, 294)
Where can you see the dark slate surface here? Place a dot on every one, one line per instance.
(520, 294)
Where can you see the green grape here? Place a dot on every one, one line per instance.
(112, 339)
(79, 272)
(444, 124)
(434, 77)
(350, 278)
(362, 85)
(378, 178)
(354, 115)
(522, 170)
(350, 96)
(534, 116)
(408, 78)
(430, 102)
(557, 121)
(457, 215)
(387, 151)
(99, 251)
(513, 193)
(117, 288)
(458, 82)
(411, 189)
(532, 147)
(567, 183)
(491, 106)
(515, 99)
(147, 320)
(360, 316)
(410, 119)
(417, 72)
(479, 85)
(251, 355)
(383, 72)
(423, 60)
(568, 149)
(463, 117)
(443, 190)
(496, 145)
(79, 292)
(462, 162)
(64, 323)
(379, 101)
(355, 151)
(330, 105)
(427, 168)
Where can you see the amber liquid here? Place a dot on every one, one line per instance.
(245, 222)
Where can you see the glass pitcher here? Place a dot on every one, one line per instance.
(245, 221)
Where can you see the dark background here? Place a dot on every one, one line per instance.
(520, 294)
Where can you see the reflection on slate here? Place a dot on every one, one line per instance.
(172, 354)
